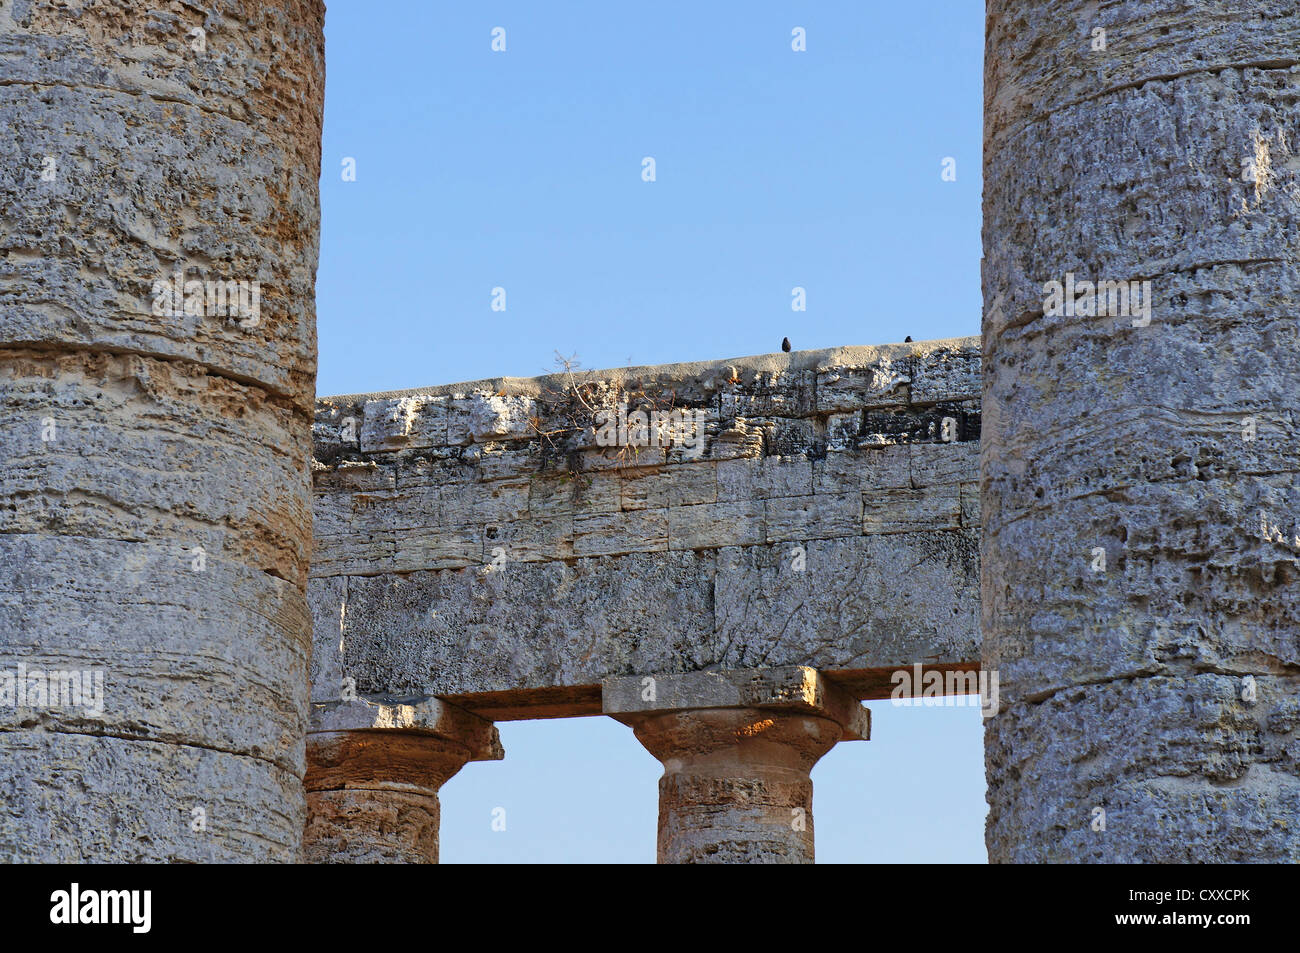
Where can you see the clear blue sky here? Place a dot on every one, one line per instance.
(774, 169)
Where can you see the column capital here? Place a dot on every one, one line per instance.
(419, 715)
(737, 749)
(792, 688)
(374, 767)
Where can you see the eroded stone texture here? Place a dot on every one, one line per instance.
(154, 482)
(1168, 155)
(1178, 769)
(476, 541)
(68, 796)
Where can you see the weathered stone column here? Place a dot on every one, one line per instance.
(737, 749)
(1141, 444)
(373, 773)
(158, 244)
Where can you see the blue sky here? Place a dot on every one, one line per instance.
(774, 169)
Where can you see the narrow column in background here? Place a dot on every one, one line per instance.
(373, 774)
(737, 749)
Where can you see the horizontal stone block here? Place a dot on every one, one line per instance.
(710, 525)
(786, 688)
(764, 477)
(529, 540)
(403, 423)
(683, 484)
(483, 416)
(356, 475)
(529, 626)
(353, 553)
(911, 510)
(621, 459)
(513, 571)
(946, 375)
(881, 383)
(946, 422)
(430, 716)
(613, 534)
(863, 602)
(842, 431)
(790, 438)
(599, 492)
(492, 502)
(442, 548)
(865, 469)
(498, 461)
(943, 464)
(740, 439)
(769, 394)
(824, 516)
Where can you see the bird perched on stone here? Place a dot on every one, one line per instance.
(785, 345)
(908, 339)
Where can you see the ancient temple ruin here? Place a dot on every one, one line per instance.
(313, 611)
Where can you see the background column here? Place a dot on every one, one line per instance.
(373, 774)
(1140, 497)
(737, 749)
(158, 244)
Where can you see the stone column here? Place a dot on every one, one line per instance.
(158, 243)
(373, 773)
(737, 749)
(1141, 445)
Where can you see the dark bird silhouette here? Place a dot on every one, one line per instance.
(785, 345)
(908, 339)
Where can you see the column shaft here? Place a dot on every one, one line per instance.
(1141, 360)
(372, 796)
(158, 244)
(736, 786)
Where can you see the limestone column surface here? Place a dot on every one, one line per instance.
(159, 226)
(1140, 442)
